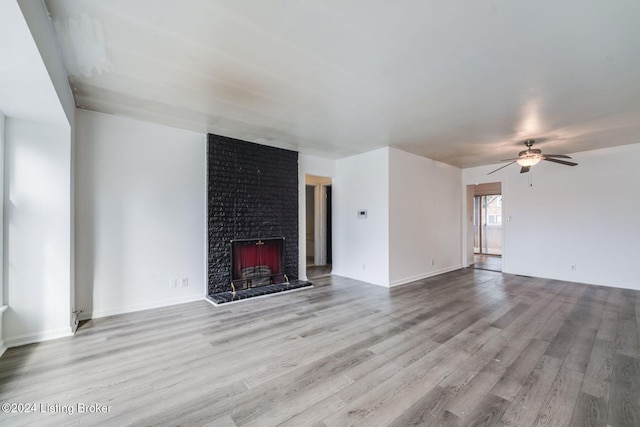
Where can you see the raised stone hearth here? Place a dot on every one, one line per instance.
(225, 297)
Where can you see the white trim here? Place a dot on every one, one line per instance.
(3, 347)
(38, 337)
(205, 225)
(323, 225)
(2, 225)
(424, 276)
(139, 307)
(318, 227)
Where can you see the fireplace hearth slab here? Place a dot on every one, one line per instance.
(226, 297)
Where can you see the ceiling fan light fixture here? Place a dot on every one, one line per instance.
(532, 156)
(529, 160)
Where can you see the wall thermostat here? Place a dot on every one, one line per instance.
(362, 213)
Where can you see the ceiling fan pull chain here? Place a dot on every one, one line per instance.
(530, 178)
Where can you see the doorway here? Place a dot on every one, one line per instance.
(487, 213)
(318, 226)
(487, 227)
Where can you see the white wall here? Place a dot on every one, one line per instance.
(585, 215)
(38, 251)
(2, 306)
(37, 231)
(308, 165)
(361, 246)
(40, 27)
(425, 217)
(140, 214)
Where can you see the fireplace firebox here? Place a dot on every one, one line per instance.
(257, 262)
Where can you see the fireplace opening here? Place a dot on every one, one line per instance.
(257, 262)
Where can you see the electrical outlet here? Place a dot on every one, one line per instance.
(173, 283)
(363, 266)
(433, 261)
(573, 267)
(185, 282)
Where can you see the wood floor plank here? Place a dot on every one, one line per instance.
(527, 403)
(473, 394)
(580, 351)
(390, 399)
(488, 412)
(509, 385)
(597, 377)
(624, 400)
(576, 294)
(622, 301)
(552, 326)
(468, 370)
(313, 415)
(469, 347)
(281, 411)
(520, 335)
(429, 410)
(367, 379)
(627, 336)
(558, 407)
(509, 317)
(608, 326)
(460, 322)
(590, 411)
(561, 343)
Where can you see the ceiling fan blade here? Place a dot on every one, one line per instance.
(501, 167)
(508, 160)
(525, 169)
(562, 162)
(561, 156)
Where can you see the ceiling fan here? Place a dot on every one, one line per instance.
(532, 156)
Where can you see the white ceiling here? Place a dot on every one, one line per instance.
(463, 82)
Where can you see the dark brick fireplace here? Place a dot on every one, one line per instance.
(252, 193)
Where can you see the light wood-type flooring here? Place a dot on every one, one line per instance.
(318, 271)
(487, 262)
(470, 347)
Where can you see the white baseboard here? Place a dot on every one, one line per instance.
(360, 279)
(38, 336)
(3, 346)
(406, 280)
(94, 314)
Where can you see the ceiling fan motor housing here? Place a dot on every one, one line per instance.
(530, 151)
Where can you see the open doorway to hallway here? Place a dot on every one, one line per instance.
(487, 226)
(318, 225)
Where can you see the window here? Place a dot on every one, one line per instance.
(494, 219)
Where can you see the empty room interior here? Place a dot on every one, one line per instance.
(248, 213)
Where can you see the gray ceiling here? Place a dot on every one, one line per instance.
(463, 82)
